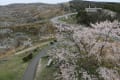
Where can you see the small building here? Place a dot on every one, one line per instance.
(93, 10)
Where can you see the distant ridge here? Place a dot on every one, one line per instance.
(104, 1)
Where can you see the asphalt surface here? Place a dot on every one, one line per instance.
(56, 19)
(31, 69)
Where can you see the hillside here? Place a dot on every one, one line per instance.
(16, 14)
(79, 40)
(24, 25)
(24, 29)
(84, 52)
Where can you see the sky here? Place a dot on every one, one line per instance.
(106, 0)
(5, 2)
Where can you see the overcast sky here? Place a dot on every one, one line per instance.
(5, 2)
(106, 0)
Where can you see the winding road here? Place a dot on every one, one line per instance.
(56, 20)
(31, 69)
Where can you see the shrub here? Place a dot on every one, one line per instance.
(28, 57)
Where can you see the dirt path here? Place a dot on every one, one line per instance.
(32, 48)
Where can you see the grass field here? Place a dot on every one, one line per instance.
(45, 73)
(13, 68)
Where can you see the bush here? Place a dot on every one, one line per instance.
(51, 43)
(28, 57)
(55, 40)
(83, 18)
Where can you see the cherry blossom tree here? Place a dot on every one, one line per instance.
(101, 42)
(96, 40)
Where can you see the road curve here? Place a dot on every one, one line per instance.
(56, 20)
(31, 69)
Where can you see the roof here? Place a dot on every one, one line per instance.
(92, 9)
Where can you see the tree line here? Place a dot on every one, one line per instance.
(86, 18)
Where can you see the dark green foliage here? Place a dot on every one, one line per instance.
(55, 40)
(83, 18)
(36, 50)
(100, 16)
(112, 6)
(77, 5)
(51, 43)
(86, 17)
(28, 57)
(80, 4)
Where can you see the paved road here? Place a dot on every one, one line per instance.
(31, 69)
(56, 19)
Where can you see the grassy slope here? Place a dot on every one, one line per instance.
(46, 73)
(13, 68)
